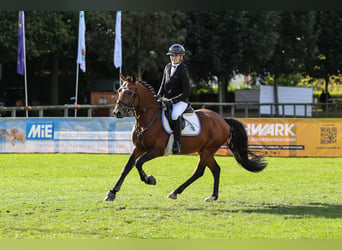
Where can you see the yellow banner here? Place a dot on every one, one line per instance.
(294, 136)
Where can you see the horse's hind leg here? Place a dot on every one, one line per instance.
(128, 167)
(199, 171)
(215, 170)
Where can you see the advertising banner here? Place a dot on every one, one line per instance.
(295, 136)
(305, 137)
(66, 135)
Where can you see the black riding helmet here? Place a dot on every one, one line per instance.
(176, 49)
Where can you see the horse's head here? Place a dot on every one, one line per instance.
(127, 99)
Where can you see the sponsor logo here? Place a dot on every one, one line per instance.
(40, 131)
(270, 129)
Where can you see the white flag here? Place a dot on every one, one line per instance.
(117, 47)
(81, 43)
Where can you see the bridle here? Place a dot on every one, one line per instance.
(129, 106)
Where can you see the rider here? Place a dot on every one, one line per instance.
(175, 88)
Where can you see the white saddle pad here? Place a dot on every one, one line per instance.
(192, 124)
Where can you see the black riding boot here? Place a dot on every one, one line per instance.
(176, 134)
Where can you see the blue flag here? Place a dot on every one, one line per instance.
(117, 48)
(21, 46)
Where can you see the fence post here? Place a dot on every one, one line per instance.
(295, 110)
(111, 111)
(305, 110)
(66, 112)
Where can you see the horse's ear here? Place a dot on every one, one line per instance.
(122, 77)
(134, 78)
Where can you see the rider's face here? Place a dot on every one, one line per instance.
(175, 59)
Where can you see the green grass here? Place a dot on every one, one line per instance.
(60, 196)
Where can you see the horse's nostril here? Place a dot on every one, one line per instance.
(117, 114)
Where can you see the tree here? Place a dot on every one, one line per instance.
(49, 38)
(146, 37)
(218, 44)
(52, 36)
(51, 47)
(329, 55)
(8, 57)
(209, 43)
(255, 38)
(227, 43)
(100, 35)
(294, 47)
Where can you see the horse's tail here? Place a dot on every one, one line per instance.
(239, 147)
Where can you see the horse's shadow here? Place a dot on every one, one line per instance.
(289, 211)
(322, 210)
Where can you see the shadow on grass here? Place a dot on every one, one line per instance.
(323, 210)
(316, 209)
(313, 209)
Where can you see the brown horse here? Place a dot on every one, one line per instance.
(150, 139)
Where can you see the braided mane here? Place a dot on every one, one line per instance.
(144, 83)
(148, 86)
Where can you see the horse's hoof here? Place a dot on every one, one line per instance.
(172, 196)
(151, 180)
(110, 196)
(210, 199)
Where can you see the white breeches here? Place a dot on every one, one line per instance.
(178, 109)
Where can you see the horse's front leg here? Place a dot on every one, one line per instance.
(128, 167)
(147, 156)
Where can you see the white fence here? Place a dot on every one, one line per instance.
(227, 109)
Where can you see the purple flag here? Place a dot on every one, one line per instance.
(21, 40)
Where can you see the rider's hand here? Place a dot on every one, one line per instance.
(167, 102)
(158, 97)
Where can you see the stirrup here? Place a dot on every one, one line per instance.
(176, 148)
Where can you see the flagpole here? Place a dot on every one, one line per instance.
(24, 48)
(81, 51)
(76, 91)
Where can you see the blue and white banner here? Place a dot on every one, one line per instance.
(66, 135)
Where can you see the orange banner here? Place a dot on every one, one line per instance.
(293, 136)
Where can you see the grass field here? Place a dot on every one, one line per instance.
(60, 196)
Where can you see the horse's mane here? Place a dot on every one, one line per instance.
(148, 86)
(144, 83)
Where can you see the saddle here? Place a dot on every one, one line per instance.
(190, 123)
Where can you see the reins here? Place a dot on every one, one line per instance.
(137, 130)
